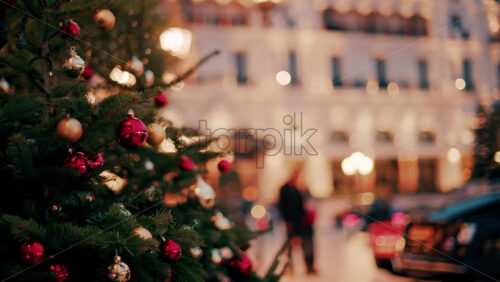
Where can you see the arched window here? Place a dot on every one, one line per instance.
(339, 136)
(384, 137)
(418, 26)
(426, 137)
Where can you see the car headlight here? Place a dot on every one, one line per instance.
(466, 233)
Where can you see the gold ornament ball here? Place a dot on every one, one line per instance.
(205, 194)
(216, 257)
(142, 233)
(119, 271)
(69, 130)
(105, 20)
(156, 134)
(74, 65)
(196, 252)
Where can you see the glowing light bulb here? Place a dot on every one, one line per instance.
(283, 78)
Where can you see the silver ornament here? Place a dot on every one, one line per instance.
(119, 271)
(221, 222)
(149, 78)
(205, 194)
(216, 256)
(196, 252)
(74, 65)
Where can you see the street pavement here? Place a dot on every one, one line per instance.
(339, 257)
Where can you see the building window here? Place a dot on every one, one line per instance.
(384, 137)
(422, 75)
(418, 26)
(241, 67)
(426, 137)
(498, 74)
(339, 137)
(382, 79)
(336, 73)
(456, 27)
(467, 74)
(292, 67)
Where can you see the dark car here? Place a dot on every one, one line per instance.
(460, 242)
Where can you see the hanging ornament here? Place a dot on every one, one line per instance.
(74, 65)
(205, 194)
(4, 85)
(32, 251)
(135, 65)
(104, 19)
(80, 162)
(242, 266)
(171, 250)
(59, 272)
(226, 253)
(70, 30)
(97, 160)
(169, 199)
(149, 165)
(131, 132)
(114, 182)
(142, 233)
(215, 256)
(224, 166)
(196, 252)
(220, 221)
(69, 129)
(156, 134)
(186, 164)
(161, 100)
(118, 271)
(87, 73)
(149, 78)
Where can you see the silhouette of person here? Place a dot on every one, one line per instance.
(298, 221)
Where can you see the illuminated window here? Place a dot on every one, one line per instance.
(336, 72)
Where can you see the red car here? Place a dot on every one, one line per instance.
(387, 240)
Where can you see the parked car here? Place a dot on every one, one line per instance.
(387, 239)
(460, 242)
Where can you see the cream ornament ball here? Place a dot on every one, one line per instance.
(104, 19)
(142, 233)
(69, 130)
(156, 134)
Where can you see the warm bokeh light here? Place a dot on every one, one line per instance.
(167, 146)
(122, 77)
(357, 162)
(177, 41)
(497, 157)
(372, 87)
(258, 211)
(460, 84)
(250, 193)
(283, 78)
(349, 166)
(453, 155)
(393, 89)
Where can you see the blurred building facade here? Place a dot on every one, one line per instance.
(397, 80)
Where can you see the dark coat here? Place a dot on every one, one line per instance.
(291, 206)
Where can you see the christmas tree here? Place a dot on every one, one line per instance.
(487, 145)
(90, 193)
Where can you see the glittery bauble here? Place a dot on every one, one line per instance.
(226, 253)
(171, 250)
(196, 252)
(224, 166)
(32, 251)
(104, 19)
(80, 162)
(71, 29)
(243, 266)
(131, 132)
(69, 130)
(59, 272)
(161, 100)
(156, 134)
(74, 65)
(215, 256)
(221, 222)
(142, 233)
(88, 72)
(186, 164)
(205, 194)
(119, 271)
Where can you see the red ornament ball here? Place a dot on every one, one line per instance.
(225, 166)
(243, 266)
(97, 160)
(32, 251)
(87, 73)
(59, 272)
(12, 2)
(70, 29)
(161, 100)
(186, 164)
(131, 132)
(171, 250)
(80, 162)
